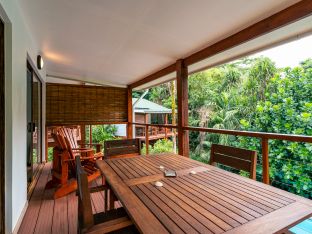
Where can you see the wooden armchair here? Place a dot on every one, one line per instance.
(240, 159)
(122, 148)
(64, 169)
(115, 220)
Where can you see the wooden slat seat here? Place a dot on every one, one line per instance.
(122, 148)
(241, 159)
(115, 220)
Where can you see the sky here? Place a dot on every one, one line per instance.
(289, 54)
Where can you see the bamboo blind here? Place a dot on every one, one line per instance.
(82, 104)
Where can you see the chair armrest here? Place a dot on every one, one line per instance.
(92, 157)
(83, 150)
(97, 145)
(94, 144)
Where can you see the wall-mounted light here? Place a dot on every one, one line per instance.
(40, 62)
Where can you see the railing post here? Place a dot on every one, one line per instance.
(146, 139)
(265, 160)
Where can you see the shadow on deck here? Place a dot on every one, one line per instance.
(46, 215)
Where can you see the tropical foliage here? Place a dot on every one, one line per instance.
(160, 146)
(101, 133)
(253, 94)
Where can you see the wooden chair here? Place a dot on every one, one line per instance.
(64, 169)
(122, 148)
(70, 134)
(240, 159)
(115, 220)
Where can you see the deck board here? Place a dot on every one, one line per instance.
(46, 215)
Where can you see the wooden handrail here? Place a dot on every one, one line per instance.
(155, 125)
(264, 136)
(268, 135)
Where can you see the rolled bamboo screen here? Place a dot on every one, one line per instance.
(82, 104)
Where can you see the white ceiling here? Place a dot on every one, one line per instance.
(121, 41)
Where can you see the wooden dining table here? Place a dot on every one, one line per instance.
(200, 199)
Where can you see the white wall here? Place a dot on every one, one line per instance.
(121, 130)
(18, 43)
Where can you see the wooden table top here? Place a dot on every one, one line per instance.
(210, 201)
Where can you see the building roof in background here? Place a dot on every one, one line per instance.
(146, 106)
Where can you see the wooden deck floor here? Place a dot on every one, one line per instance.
(45, 215)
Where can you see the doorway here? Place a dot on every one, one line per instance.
(2, 128)
(34, 123)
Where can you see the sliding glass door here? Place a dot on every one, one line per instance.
(34, 136)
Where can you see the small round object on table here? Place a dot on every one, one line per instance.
(158, 184)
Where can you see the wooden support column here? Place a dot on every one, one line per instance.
(265, 161)
(166, 129)
(130, 114)
(83, 134)
(146, 139)
(90, 134)
(182, 94)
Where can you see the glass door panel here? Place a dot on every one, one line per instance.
(36, 120)
(34, 137)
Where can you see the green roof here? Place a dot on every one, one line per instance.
(146, 106)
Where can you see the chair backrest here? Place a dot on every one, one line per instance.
(70, 134)
(240, 159)
(122, 147)
(85, 216)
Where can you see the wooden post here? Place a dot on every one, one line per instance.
(46, 144)
(83, 135)
(182, 94)
(166, 129)
(265, 161)
(146, 139)
(130, 114)
(90, 134)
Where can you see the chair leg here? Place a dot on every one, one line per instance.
(112, 199)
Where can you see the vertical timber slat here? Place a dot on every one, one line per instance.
(182, 94)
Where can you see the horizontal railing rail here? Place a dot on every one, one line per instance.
(264, 136)
(155, 125)
(268, 135)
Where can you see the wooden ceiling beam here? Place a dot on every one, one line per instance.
(287, 16)
(154, 76)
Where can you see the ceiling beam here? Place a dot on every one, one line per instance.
(85, 80)
(287, 16)
(154, 76)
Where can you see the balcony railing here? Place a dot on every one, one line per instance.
(263, 136)
(153, 131)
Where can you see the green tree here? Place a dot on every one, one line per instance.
(286, 108)
(101, 133)
(160, 146)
